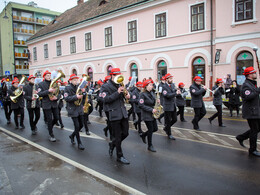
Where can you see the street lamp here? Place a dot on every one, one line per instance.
(5, 16)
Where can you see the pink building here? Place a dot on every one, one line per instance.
(149, 38)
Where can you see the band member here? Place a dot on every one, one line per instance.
(18, 107)
(217, 102)
(99, 98)
(197, 92)
(32, 103)
(135, 98)
(147, 103)
(131, 110)
(161, 97)
(181, 101)
(74, 111)
(114, 97)
(233, 94)
(60, 104)
(250, 110)
(49, 104)
(90, 108)
(169, 105)
(6, 101)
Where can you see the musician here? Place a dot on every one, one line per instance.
(217, 101)
(60, 105)
(49, 105)
(114, 97)
(251, 110)
(181, 101)
(130, 90)
(90, 109)
(74, 111)
(135, 99)
(169, 105)
(233, 94)
(161, 97)
(147, 102)
(32, 103)
(18, 108)
(197, 92)
(99, 98)
(6, 101)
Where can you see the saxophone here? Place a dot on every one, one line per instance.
(18, 92)
(86, 105)
(79, 91)
(55, 85)
(158, 107)
(34, 95)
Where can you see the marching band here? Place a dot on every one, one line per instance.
(147, 103)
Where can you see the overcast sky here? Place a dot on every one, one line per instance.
(54, 5)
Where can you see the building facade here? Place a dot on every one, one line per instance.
(149, 38)
(18, 23)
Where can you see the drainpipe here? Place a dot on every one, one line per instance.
(211, 45)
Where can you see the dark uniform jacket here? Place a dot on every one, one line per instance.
(28, 90)
(181, 98)
(105, 105)
(114, 101)
(147, 103)
(233, 94)
(251, 101)
(197, 93)
(43, 91)
(60, 102)
(20, 99)
(4, 95)
(161, 95)
(135, 96)
(169, 94)
(219, 91)
(70, 97)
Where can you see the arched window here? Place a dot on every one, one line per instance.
(244, 60)
(162, 69)
(74, 71)
(109, 68)
(198, 68)
(134, 70)
(90, 72)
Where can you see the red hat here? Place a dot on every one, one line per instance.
(163, 78)
(181, 84)
(115, 71)
(100, 82)
(168, 76)
(65, 83)
(107, 78)
(197, 78)
(219, 81)
(15, 81)
(73, 76)
(3, 79)
(58, 81)
(146, 82)
(249, 70)
(30, 77)
(130, 78)
(46, 72)
(139, 84)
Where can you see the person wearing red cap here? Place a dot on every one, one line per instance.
(49, 105)
(32, 103)
(146, 103)
(169, 93)
(197, 92)
(18, 107)
(233, 94)
(6, 101)
(107, 78)
(250, 110)
(75, 111)
(218, 91)
(181, 101)
(114, 98)
(161, 97)
(99, 98)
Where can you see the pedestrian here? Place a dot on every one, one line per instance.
(233, 94)
(181, 101)
(135, 98)
(217, 101)
(250, 110)
(197, 92)
(147, 102)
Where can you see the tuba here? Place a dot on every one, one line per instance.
(79, 91)
(119, 79)
(158, 107)
(18, 92)
(55, 85)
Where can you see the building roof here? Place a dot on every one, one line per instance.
(87, 11)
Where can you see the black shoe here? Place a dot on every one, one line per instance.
(72, 139)
(61, 126)
(111, 149)
(151, 148)
(210, 120)
(143, 136)
(81, 147)
(34, 132)
(171, 137)
(255, 153)
(183, 120)
(135, 124)
(240, 141)
(105, 131)
(22, 127)
(123, 160)
(222, 125)
(87, 133)
(88, 122)
(16, 127)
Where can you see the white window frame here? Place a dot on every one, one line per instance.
(75, 45)
(137, 27)
(111, 36)
(46, 55)
(167, 22)
(91, 42)
(60, 48)
(35, 54)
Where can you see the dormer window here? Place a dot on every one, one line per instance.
(103, 2)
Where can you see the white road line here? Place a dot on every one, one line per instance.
(102, 177)
(41, 188)
(219, 140)
(198, 136)
(92, 135)
(179, 133)
(5, 186)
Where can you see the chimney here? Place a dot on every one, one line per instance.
(80, 1)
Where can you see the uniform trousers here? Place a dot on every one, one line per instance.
(60, 119)
(181, 112)
(152, 127)
(78, 124)
(138, 122)
(131, 111)
(170, 118)
(52, 116)
(16, 113)
(108, 127)
(199, 114)
(34, 116)
(8, 110)
(120, 130)
(218, 114)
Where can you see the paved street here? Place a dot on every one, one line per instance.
(205, 162)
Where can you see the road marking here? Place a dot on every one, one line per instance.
(92, 172)
(5, 186)
(219, 140)
(41, 188)
(179, 133)
(92, 135)
(198, 136)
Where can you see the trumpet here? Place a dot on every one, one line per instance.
(119, 79)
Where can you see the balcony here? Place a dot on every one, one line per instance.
(25, 31)
(21, 55)
(19, 42)
(31, 20)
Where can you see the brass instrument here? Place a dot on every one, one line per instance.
(79, 91)
(158, 107)
(119, 79)
(34, 95)
(18, 92)
(55, 85)
(86, 105)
